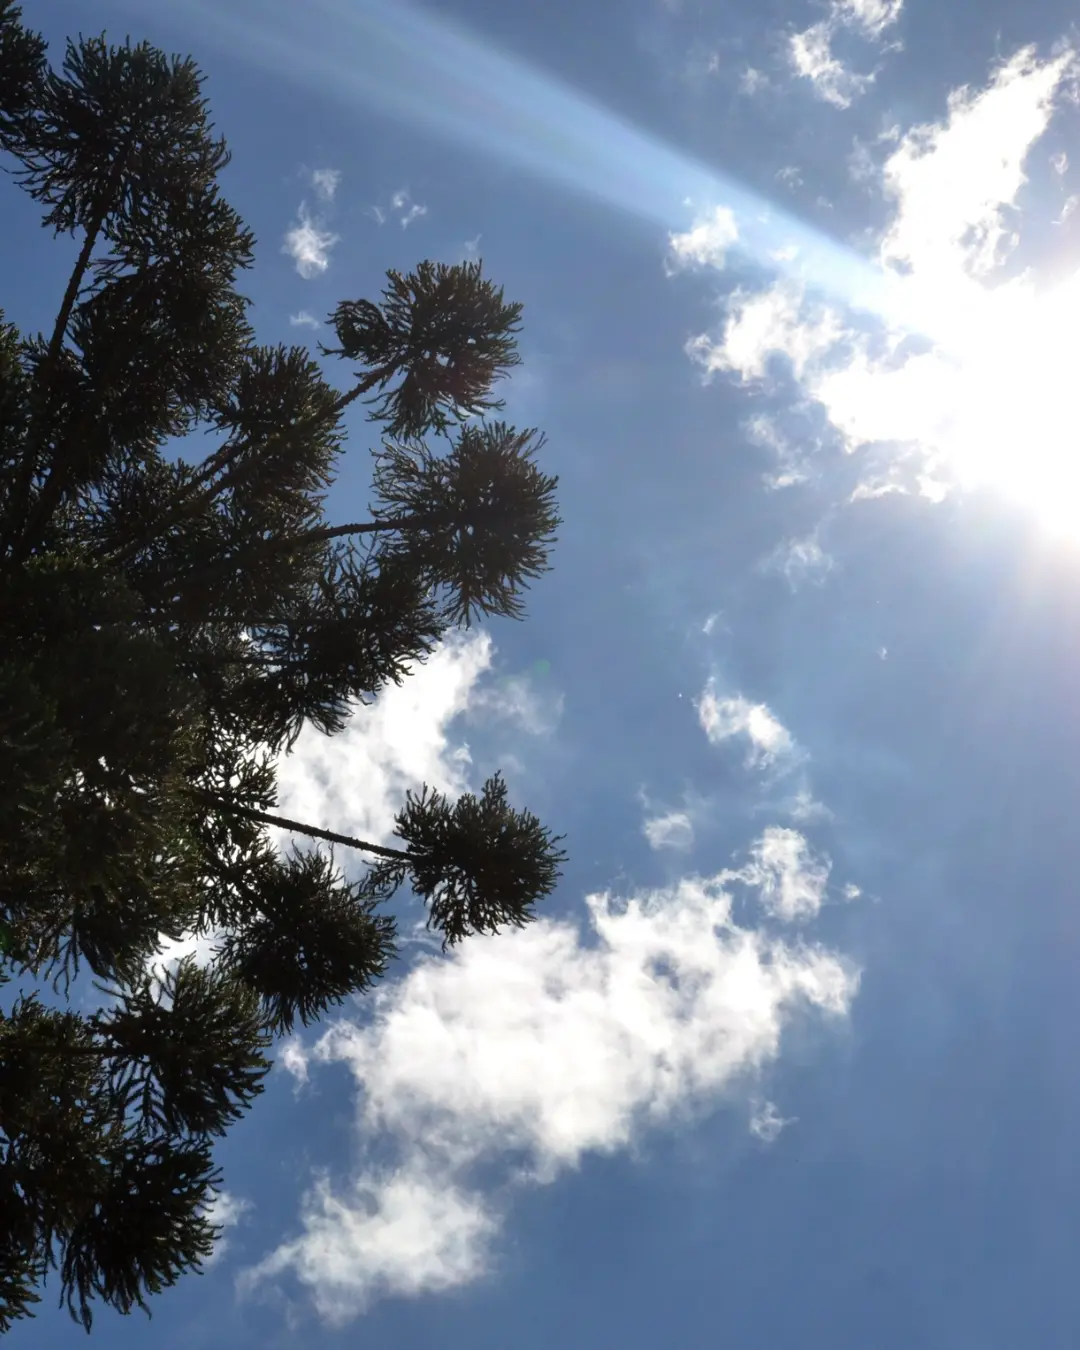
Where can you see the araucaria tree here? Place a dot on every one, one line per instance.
(168, 627)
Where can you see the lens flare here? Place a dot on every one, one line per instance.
(433, 75)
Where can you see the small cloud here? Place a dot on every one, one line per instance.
(791, 880)
(673, 829)
(802, 560)
(805, 808)
(304, 320)
(326, 183)
(724, 719)
(753, 82)
(872, 17)
(811, 56)
(790, 176)
(472, 247)
(707, 241)
(767, 1123)
(1060, 163)
(852, 892)
(308, 243)
(407, 210)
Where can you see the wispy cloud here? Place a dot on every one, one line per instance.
(811, 54)
(707, 241)
(521, 1054)
(308, 243)
(767, 1124)
(326, 183)
(401, 208)
(669, 829)
(802, 560)
(790, 879)
(734, 717)
(310, 240)
(407, 210)
(304, 320)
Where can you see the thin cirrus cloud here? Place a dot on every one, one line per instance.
(982, 399)
(521, 1054)
(812, 57)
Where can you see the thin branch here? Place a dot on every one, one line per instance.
(295, 827)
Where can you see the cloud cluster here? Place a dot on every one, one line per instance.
(523, 1053)
(811, 50)
(508, 1061)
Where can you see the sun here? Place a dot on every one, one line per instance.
(1007, 419)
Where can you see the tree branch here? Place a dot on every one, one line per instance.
(295, 827)
(186, 503)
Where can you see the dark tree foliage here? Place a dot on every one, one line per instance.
(167, 629)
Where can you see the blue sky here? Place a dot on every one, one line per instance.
(788, 1062)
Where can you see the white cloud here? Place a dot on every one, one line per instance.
(767, 1124)
(670, 829)
(524, 1053)
(707, 241)
(225, 1210)
(983, 397)
(724, 719)
(304, 320)
(407, 210)
(812, 58)
(790, 879)
(764, 325)
(954, 182)
(811, 54)
(871, 16)
(326, 183)
(308, 243)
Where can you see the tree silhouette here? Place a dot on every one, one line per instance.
(167, 628)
